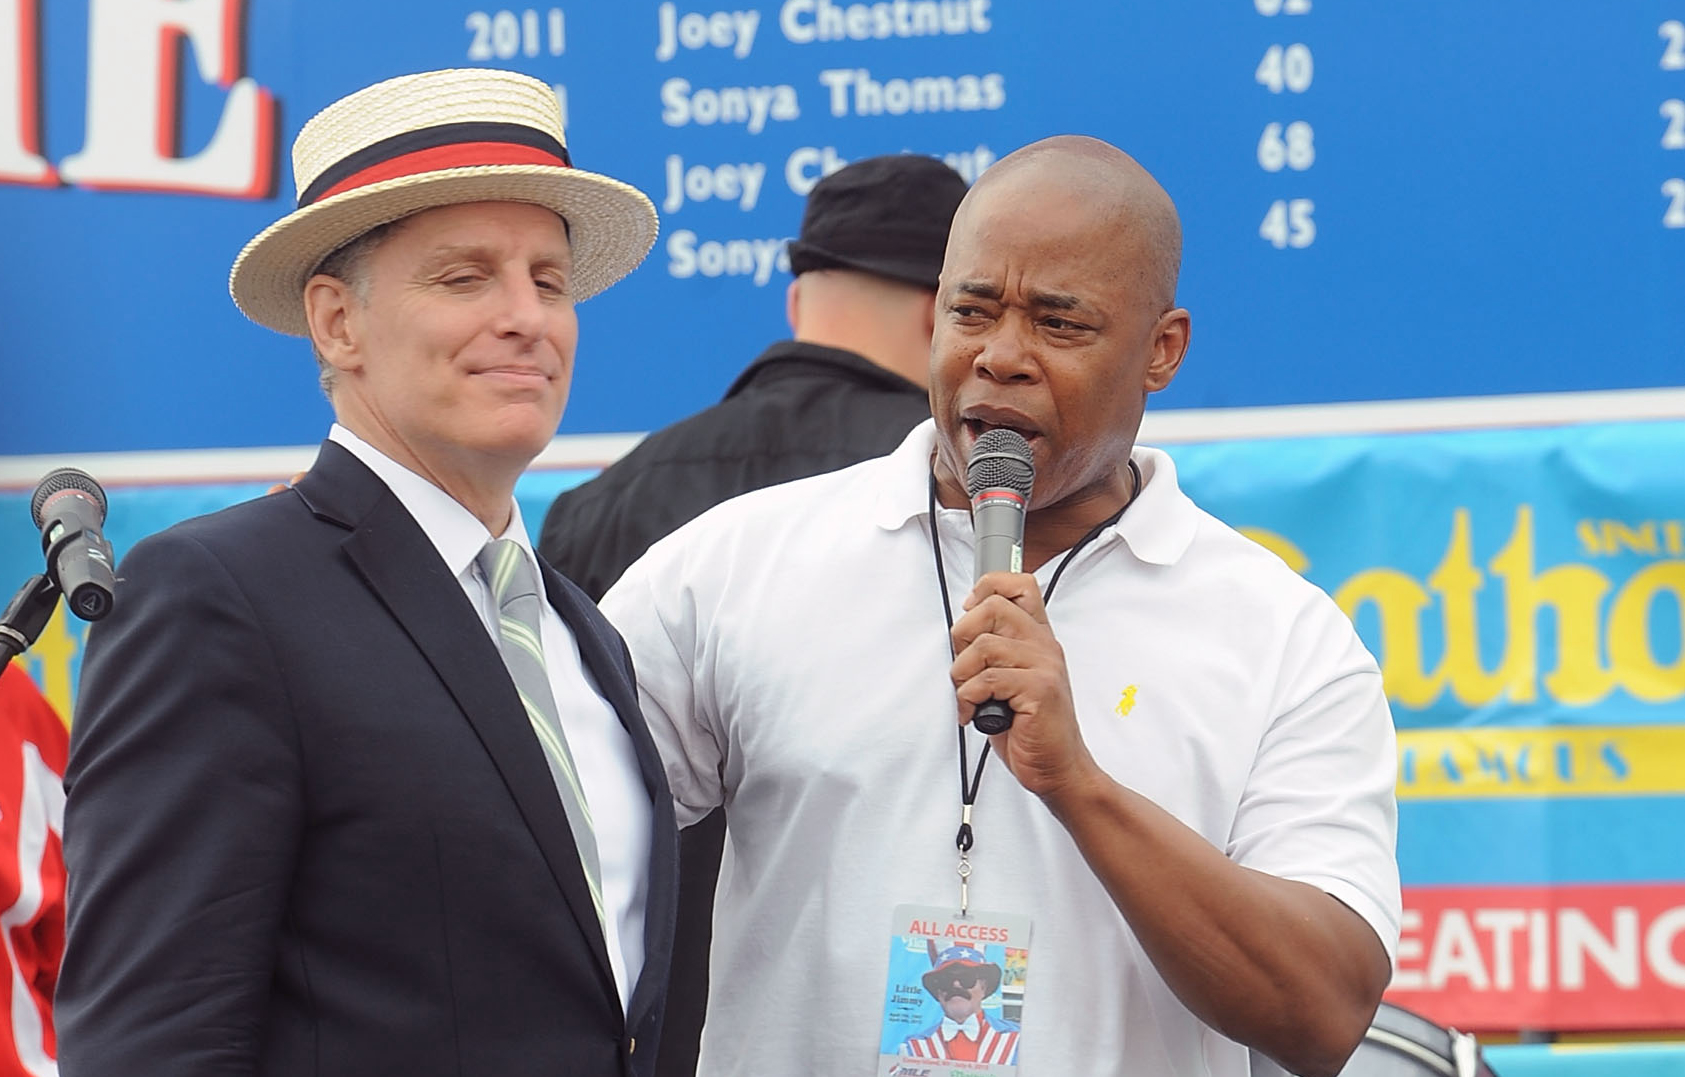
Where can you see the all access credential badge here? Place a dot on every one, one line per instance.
(956, 991)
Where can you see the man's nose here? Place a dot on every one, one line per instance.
(1009, 353)
(522, 313)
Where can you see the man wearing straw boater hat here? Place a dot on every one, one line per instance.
(358, 785)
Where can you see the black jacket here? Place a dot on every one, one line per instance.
(798, 410)
(310, 832)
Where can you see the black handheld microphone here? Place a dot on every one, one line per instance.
(998, 477)
(69, 508)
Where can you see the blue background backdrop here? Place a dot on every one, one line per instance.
(1487, 193)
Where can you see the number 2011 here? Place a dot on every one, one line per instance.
(502, 35)
(1673, 53)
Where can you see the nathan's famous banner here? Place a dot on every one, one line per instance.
(1524, 592)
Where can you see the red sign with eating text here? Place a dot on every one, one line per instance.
(1544, 957)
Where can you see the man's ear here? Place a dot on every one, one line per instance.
(792, 303)
(1170, 345)
(328, 303)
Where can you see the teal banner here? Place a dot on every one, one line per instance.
(1524, 592)
(1503, 577)
(1523, 577)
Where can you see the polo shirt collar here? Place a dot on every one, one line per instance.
(904, 494)
(1158, 528)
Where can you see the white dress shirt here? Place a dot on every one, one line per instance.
(602, 749)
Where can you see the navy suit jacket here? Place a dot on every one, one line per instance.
(309, 830)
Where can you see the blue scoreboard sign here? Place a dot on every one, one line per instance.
(1380, 201)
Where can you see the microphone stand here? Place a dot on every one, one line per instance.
(26, 615)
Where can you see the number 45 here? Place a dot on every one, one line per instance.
(1289, 223)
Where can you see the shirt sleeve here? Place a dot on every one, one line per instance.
(656, 612)
(1320, 806)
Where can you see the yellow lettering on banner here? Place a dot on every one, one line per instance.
(1647, 538)
(1458, 580)
(1573, 593)
(1589, 539)
(1490, 761)
(1641, 539)
(1629, 633)
(1399, 600)
(1573, 596)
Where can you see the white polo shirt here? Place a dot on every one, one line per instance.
(793, 658)
(601, 747)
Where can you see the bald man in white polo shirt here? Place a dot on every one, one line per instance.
(1185, 852)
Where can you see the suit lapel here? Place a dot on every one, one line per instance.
(611, 669)
(402, 567)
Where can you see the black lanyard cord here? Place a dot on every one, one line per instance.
(969, 786)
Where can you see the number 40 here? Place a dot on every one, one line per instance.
(1289, 223)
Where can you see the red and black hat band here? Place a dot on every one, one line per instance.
(449, 145)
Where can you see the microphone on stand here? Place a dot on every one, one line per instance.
(998, 476)
(69, 508)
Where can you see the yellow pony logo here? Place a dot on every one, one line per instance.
(1126, 703)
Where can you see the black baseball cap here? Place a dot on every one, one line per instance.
(888, 216)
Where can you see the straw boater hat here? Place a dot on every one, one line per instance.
(436, 139)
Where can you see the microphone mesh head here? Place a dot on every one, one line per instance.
(57, 482)
(1000, 459)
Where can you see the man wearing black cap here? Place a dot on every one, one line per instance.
(848, 387)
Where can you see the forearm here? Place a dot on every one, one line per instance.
(1274, 964)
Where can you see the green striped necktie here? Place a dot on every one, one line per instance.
(515, 587)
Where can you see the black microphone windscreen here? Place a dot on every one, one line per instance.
(1000, 460)
(60, 481)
